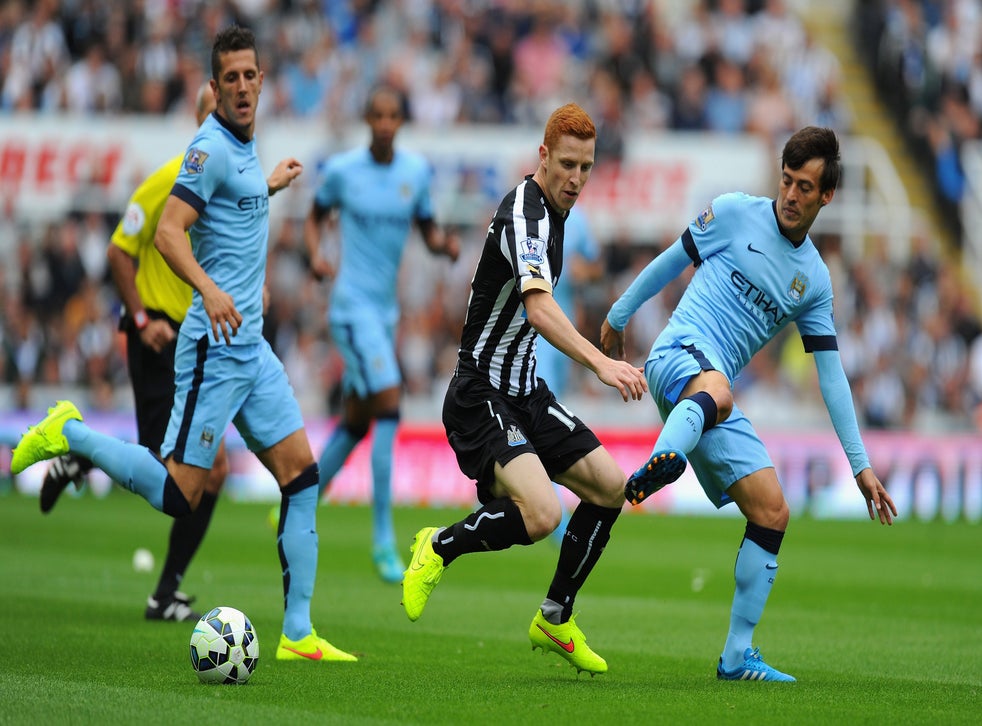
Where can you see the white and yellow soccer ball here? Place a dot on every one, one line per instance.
(224, 646)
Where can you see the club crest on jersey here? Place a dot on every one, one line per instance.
(207, 437)
(533, 251)
(194, 161)
(405, 191)
(703, 220)
(515, 437)
(796, 290)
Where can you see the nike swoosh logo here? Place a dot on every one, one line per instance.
(753, 249)
(243, 168)
(316, 655)
(768, 567)
(568, 647)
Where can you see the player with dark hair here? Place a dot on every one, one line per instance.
(756, 271)
(156, 301)
(509, 432)
(379, 193)
(225, 371)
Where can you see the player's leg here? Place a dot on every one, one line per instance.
(167, 602)
(272, 426)
(355, 346)
(134, 467)
(385, 410)
(761, 500)
(699, 397)
(599, 483)
(733, 453)
(521, 508)
(486, 446)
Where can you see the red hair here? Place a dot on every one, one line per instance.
(568, 120)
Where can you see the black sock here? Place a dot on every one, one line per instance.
(496, 526)
(185, 535)
(586, 536)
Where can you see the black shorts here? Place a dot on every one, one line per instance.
(485, 426)
(152, 377)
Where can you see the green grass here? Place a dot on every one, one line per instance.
(880, 625)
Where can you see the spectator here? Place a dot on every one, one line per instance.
(93, 83)
(38, 58)
(726, 101)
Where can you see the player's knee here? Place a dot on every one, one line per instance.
(608, 490)
(543, 521)
(772, 512)
(723, 398)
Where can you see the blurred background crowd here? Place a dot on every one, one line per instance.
(909, 332)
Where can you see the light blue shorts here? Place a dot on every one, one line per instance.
(368, 347)
(727, 452)
(221, 384)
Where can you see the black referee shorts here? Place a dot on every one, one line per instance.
(152, 377)
(485, 426)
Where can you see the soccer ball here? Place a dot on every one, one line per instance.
(224, 646)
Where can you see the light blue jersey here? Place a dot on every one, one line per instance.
(768, 282)
(222, 179)
(750, 283)
(216, 384)
(377, 205)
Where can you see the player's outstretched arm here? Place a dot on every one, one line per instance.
(878, 501)
(549, 320)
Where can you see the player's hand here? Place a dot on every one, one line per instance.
(284, 173)
(225, 319)
(157, 335)
(321, 269)
(878, 502)
(627, 379)
(451, 245)
(611, 341)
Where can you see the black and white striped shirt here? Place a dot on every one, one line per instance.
(523, 251)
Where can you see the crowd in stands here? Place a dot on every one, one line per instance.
(926, 56)
(909, 335)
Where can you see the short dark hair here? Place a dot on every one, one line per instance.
(233, 38)
(810, 143)
(386, 89)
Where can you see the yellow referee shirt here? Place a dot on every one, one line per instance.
(158, 286)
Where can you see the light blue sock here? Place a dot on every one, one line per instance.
(383, 443)
(338, 448)
(297, 544)
(754, 572)
(132, 466)
(682, 428)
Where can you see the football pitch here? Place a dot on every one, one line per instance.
(880, 625)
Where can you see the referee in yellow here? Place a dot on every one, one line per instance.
(156, 301)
